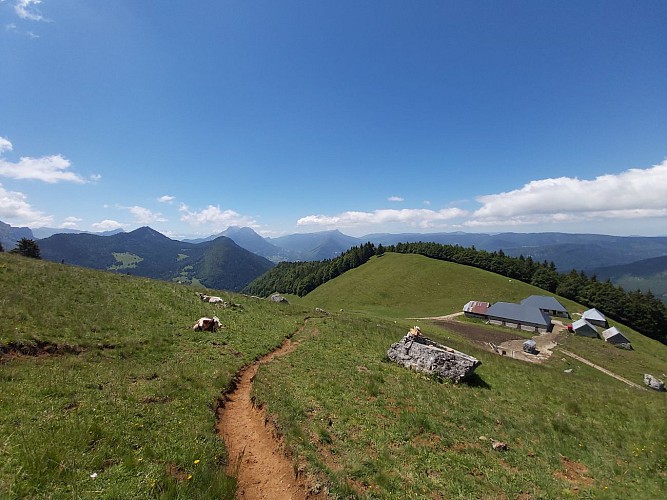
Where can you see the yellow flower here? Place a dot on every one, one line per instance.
(197, 461)
(189, 476)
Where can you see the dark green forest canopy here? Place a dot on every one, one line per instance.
(641, 311)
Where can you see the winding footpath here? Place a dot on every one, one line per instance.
(256, 455)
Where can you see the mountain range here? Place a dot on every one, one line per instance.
(592, 253)
(219, 263)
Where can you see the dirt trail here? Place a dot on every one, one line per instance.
(603, 370)
(256, 455)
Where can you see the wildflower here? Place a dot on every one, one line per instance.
(197, 461)
(189, 476)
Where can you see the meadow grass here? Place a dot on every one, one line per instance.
(133, 414)
(127, 407)
(378, 430)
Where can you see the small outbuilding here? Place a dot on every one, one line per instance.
(584, 328)
(595, 317)
(547, 304)
(614, 336)
(519, 316)
(476, 309)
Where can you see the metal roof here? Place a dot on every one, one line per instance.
(615, 334)
(544, 302)
(476, 307)
(519, 313)
(581, 325)
(594, 314)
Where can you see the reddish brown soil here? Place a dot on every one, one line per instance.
(256, 453)
(477, 333)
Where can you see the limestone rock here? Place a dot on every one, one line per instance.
(422, 354)
(654, 383)
(276, 297)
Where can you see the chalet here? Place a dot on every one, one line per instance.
(547, 304)
(614, 336)
(595, 317)
(476, 309)
(584, 328)
(520, 316)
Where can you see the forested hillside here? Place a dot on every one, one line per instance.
(639, 310)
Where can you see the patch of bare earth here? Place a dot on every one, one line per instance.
(508, 342)
(256, 452)
(574, 473)
(18, 350)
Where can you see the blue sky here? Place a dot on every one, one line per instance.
(364, 116)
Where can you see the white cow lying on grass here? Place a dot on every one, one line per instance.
(207, 324)
(211, 298)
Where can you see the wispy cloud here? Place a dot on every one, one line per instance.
(71, 222)
(422, 218)
(15, 209)
(395, 198)
(214, 218)
(145, 216)
(27, 9)
(107, 225)
(634, 193)
(166, 199)
(49, 169)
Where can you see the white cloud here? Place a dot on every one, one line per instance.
(71, 223)
(49, 169)
(166, 199)
(395, 198)
(215, 218)
(5, 145)
(422, 218)
(95, 178)
(107, 225)
(27, 9)
(144, 215)
(15, 209)
(632, 194)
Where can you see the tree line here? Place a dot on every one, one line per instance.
(642, 311)
(300, 278)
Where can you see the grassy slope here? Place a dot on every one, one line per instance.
(136, 406)
(397, 286)
(381, 431)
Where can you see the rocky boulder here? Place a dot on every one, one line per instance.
(424, 355)
(276, 297)
(653, 383)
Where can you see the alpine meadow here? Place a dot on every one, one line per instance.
(109, 393)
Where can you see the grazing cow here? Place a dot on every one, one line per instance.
(207, 324)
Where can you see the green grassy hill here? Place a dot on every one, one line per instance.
(403, 285)
(107, 392)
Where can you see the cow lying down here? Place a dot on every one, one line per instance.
(211, 298)
(207, 324)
